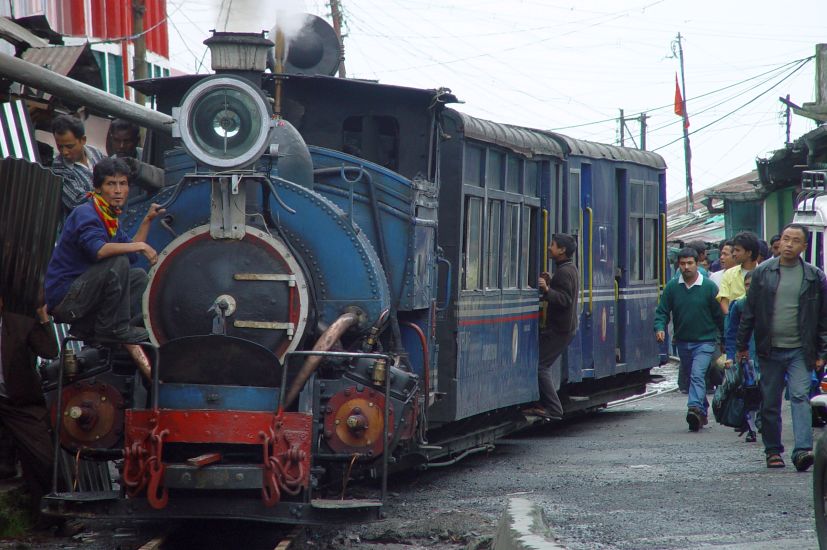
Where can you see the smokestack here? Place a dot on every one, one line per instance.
(241, 53)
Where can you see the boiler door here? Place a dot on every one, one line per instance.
(256, 278)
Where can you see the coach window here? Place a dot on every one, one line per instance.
(496, 165)
(511, 245)
(528, 256)
(472, 247)
(636, 231)
(573, 209)
(532, 175)
(492, 276)
(474, 169)
(650, 224)
(513, 175)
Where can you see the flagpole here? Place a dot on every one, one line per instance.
(687, 151)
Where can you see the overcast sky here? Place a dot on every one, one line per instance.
(569, 66)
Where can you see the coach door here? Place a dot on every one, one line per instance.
(620, 266)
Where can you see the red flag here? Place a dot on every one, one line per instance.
(679, 102)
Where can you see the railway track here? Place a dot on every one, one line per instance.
(224, 535)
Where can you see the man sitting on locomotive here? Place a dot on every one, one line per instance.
(89, 281)
(560, 292)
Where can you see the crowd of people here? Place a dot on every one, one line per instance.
(758, 302)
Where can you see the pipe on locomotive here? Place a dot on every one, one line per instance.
(42, 79)
(324, 343)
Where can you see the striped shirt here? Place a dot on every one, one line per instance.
(77, 177)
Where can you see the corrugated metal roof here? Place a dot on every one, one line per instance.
(60, 59)
(29, 216)
(18, 34)
(522, 140)
(594, 150)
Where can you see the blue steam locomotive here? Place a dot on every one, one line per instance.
(347, 284)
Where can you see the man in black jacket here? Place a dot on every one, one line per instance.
(560, 293)
(786, 306)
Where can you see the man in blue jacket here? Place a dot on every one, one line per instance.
(90, 282)
(786, 307)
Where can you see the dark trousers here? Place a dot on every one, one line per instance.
(32, 433)
(552, 346)
(104, 299)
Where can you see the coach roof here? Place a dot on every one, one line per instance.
(526, 141)
(590, 149)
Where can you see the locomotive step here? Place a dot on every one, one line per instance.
(336, 504)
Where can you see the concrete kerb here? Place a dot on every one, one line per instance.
(523, 526)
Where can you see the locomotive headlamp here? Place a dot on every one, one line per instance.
(224, 122)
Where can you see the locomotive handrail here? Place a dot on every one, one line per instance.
(591, 257)
(448, 288)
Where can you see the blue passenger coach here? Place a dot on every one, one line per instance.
(505, 190)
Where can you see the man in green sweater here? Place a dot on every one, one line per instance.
(699, 324)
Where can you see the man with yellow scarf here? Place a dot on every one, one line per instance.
(90, 281)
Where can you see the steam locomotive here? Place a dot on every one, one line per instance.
(346, 285)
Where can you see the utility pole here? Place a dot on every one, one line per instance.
(789, 113)
(139, 63)
(642, 118)
(337, 17)
(622, 129)
(687, 151)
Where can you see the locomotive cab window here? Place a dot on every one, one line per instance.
(375, 138)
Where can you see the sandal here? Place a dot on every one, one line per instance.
(775, 461)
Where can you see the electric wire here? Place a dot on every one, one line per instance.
(736, 109)
(718, 104)
(694, 98)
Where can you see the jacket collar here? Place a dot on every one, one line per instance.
(775, 265)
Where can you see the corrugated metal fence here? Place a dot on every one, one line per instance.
(29, 217)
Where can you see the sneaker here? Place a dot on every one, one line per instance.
(803, 460)
(537, 410)
(751, 437)
(694, 419)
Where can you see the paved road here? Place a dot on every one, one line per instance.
(631, 477)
